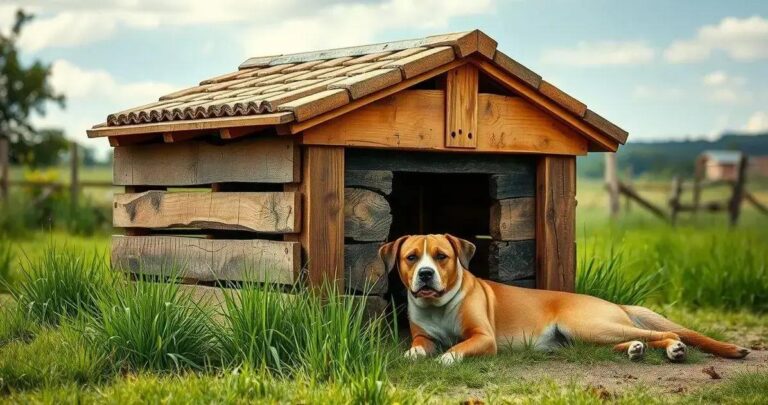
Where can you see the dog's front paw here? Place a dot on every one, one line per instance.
(636, 350)
(449, 358)
(676, 351)
(415, 353)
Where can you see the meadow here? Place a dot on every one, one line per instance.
(71, 330)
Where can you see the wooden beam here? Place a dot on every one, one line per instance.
(556, 223)
(414, 120)
(461, 95)
(257, 160)
(208, 259)
(191, 125)
(234, 133)
(268, 212)
(357, 104)
(322, 234)
(513, 219)
(173, 137)
(364, 270)
(377, 180)
(367, 215)
(602, 140)
(517, 183)
(511, 261)
(428, 162)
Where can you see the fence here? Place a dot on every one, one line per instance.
(75, 184)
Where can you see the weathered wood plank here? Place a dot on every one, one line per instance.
(268, 212)
(510, 261)
(416, 120)
(322, 235)
(128, 131)
(513, 219)
(425, 162)
(461, 94)
(378, 180)
(258, 160)
(556, 223)
(208, 259)
(513, 184)
(367, 215)
(364, 270)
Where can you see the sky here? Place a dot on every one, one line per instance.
(659, 69)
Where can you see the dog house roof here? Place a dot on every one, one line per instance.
(293, 88)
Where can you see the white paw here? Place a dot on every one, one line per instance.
(636, 350)
(415, 353)
(449, 358)
(676, 351)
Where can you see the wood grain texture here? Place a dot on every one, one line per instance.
(367, 215)
(564, 99)
(606, 126)
(257, 160)
(513, 219)
(511, 261)
(367, 83)
(377, 180)
(422, 62)
(461, 99)
(316, 104)
(428, 162)
(267, 212)
(556, 223)
(514, 68)
(208, 259)
(364, 270)
(322, 235)
(514, 184)
(415, 120)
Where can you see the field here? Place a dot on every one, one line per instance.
(108, 343)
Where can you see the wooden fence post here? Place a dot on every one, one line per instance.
(628, 181)
(4, 162)
(734, 207)
(612, 184)
(674, 199)
(698, 178)
(74, 175)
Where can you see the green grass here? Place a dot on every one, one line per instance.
(7, 260)
(607, 279)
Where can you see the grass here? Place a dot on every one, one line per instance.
(606, 279)
(7, 258)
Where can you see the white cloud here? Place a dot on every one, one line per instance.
(606, 53)
(741, 39)
(355, 24)
(646, 92)
(757, 122)
(725, 89)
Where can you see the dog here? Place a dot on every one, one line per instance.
(449, 307)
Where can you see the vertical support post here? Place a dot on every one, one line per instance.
(4, 163)
(322, 228)
(556, 223)
(461, 92)
(674, 199)
(734, 207)
(697, 179)
(74, 175)
(612, 184)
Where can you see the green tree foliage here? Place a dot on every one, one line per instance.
(23, 90)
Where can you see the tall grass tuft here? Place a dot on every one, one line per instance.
(152, 326)
(61, 283)
(6, 263)
(608, 279)
(326, 336)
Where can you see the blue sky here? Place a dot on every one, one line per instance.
(660, 69)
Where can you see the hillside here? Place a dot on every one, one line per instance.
(670, 158)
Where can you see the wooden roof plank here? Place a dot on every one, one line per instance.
(191, 125)
(367, 83)
(564, 99)
(606, 126)
(516, 69)
(419, 63)
(316, 104)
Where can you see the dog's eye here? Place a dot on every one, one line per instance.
(410, 258)
(440, 256)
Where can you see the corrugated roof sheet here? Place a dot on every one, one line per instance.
(292, 83)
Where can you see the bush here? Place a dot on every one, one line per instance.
(60, 283)
(152, 326)
(609, 280)
(325, 336)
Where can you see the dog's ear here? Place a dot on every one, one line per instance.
(464, 249)
(389, 252)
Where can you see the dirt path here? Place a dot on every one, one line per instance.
(666, 378)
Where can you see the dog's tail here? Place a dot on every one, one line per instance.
(647, 319)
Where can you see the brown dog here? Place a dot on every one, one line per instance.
(449, 306)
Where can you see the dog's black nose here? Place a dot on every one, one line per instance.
(426, 274)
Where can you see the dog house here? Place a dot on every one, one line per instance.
(298, 167)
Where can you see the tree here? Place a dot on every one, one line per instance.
(23, 90)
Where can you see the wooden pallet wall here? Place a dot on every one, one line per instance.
(178, 216)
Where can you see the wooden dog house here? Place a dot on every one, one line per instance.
(304, 164)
